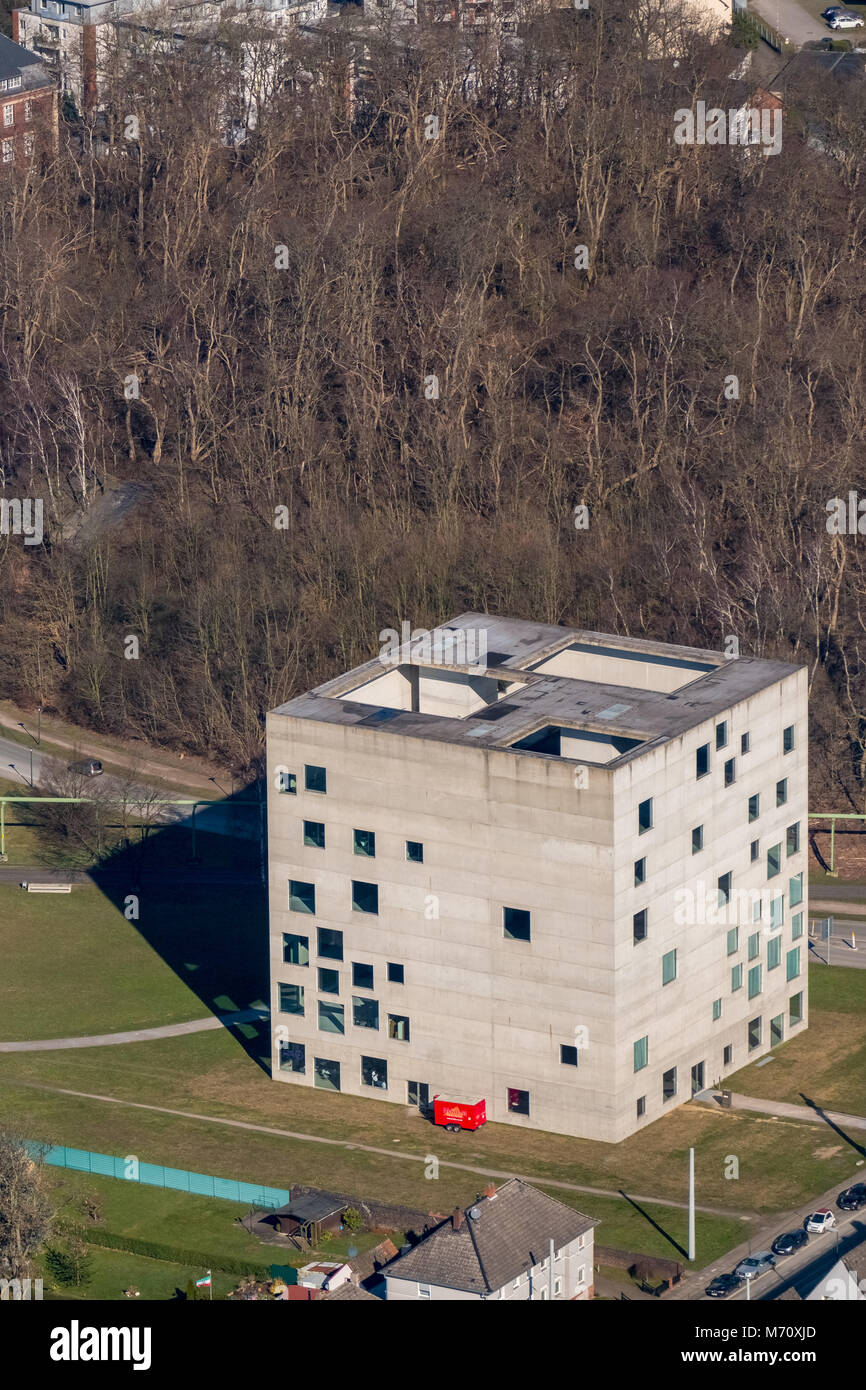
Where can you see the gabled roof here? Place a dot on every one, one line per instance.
(509, 1235)
(17, 61)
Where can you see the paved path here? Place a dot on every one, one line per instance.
(785, 1110)
(348, 1144)
(168, 1030)
(105, 878)
(792, 20)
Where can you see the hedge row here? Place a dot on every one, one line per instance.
(175, 1254)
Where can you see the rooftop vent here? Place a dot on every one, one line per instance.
(612, 711)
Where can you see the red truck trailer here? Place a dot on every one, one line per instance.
(459, 1114)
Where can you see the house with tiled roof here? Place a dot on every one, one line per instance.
(513, 1243)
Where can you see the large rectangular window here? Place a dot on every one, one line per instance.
(518, 1101)
(722, 734)
(330, 943)
(287, 782)
(293, 1057)
(396, 973)
(724, 886)
(795, 890)
(733, 940)
(717, 1010)
(777, 911)
(374, 1072)
(415, 851)
(793, 964)
(795, 1009)
(291, 999)
(362, 975)
(754, 1033)
(302, 896)
(645, 816)
(331, 1017)
(315, 779)
(782, 792)
(736, 978)
(365, 897)
(754, 945)
(329, 980)
(755, 981)
(669, 1084)
(516, 924)
(364, 842)
(754, 807)
(641, 1053)
(730, 772)
(792, 839)
(774, 952)
(796, 926)
(296, 949)
(777, 1030)
(774, 861)
(365, 1012)
(639, 872)
(788, 739)
(639, 925)
(669, 967)
(702, 760)
(745, 742)
(314, 834)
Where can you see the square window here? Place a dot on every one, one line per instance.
(722, 734)
(518, 1101)
(395, 973)
(292, 1057)
(639, 872)
(398, 1027)
(793, 964)
(796, 926)
(697, 839)
(702, 760)
(568, 1055)
(736, 978)
(755, 981)
(365, 897)
(754, 945)
(774, 952)
(728, 1055)
(717, 1010)
(291, 999)
(329, 980)
(364, 842)
(326, 1074)
(724, 887)
(302, 896)
(745, 743)
(669, 1084)
(774, 861)
(415, 851)
(645, 816)
(365, 1012)
(730, 772)
(314, 834)
(296, 949)
(795, 1009)
(641, 1053)
(782, 792)
(362, 975)
(754, 807)
(754, 851)
(733, 940)
(669, 967)
(331, 1017)
(639, 925)
(641, 1106)
(330, 943)
(374, 1072)
(315, 779)
(795, 890)
(516, 924)
(287, 782)
(788, 739)
(755, 1031)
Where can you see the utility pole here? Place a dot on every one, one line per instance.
(691, 1204)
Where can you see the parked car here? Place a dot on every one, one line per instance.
(846, 21)
(755, 1265)
(853, 1198)
(820, 1221)
(723, 1284)
(831, 12)
(789, 1242)
(91, 767)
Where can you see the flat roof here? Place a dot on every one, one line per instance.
(513, 647)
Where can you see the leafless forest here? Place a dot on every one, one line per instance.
(296, 379)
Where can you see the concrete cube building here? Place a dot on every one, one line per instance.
(559, 870)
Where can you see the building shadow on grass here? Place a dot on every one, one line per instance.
(207, 915)
(655, 1225)
(831, 1124)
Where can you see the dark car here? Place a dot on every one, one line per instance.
(789, 1242)
(722, 1285)
(853, 1198)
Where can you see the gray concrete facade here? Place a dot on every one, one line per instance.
(415, 751)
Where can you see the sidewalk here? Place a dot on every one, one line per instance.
(785, 1110)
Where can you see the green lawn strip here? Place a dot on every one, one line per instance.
(112, 1271)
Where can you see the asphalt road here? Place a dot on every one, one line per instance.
(794, 22)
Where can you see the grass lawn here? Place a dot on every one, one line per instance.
(827, 1062)
(112, 1271)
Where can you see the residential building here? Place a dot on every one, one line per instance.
(28, 106)
(559, 870)
(515, 1243)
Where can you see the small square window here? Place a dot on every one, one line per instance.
(697, 839)
(755, 850)
(639, 925)
(329, 981)
(365, 897)
(364, 842)
(745, 743)
(518, 1101)
(722, 734)
(645, 816)
(754, 807)
(362, 975)
(717, 1010)
(516, 924)
(374, 1072)
(639, 872)
(287, 782)
(415, 851)
(395, 973)
(788, 739)
(314, 834)
(792, 839)
(398, 1027)
(365, 1012)
(730, 772)
(296, 949)
(669, 967)
(641, 1107)
(302, 896)
(669, 1084)
(331, 1017)
(292, 1057)
(702, 760)
(315, 779)
(326, 1074)
(641, 1053)
(782, 792)
(330, 943)
(291, 999)
(774, 861)
(728, 1055)
(567, 1055)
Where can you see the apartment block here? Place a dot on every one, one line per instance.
(560, 870)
